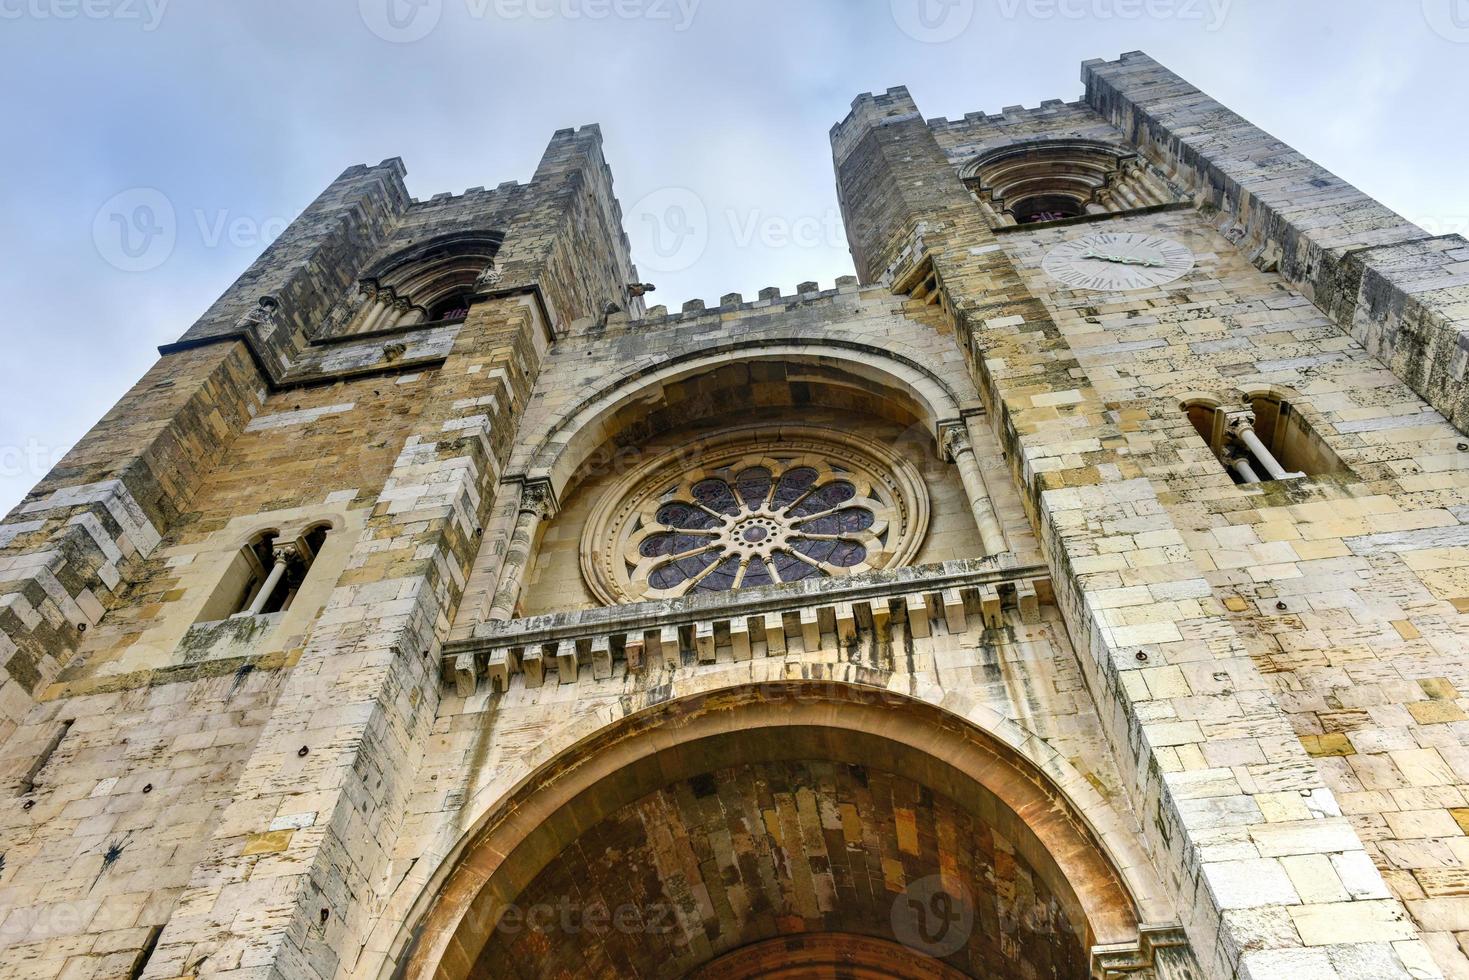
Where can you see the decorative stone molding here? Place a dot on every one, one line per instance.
(537, 504)
(262, 315)
(1161, 953)
(955, 440)
(1076, 176)
(958, 448)
(954, 597)
(539, 498)
(489, 279)
(287, 554)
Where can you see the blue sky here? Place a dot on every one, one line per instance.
(233, 116)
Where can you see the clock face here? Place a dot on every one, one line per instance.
(1118, 261)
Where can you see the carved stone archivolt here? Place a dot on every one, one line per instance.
(754, 507)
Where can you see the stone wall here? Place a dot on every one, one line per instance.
(1398, 291)
(1166, 664)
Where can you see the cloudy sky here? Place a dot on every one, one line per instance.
(209, 124)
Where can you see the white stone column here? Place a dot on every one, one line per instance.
(960, 450)
(284, 556)
(537, 504)
(1243, 428)
(380, 314)
(1245, 470)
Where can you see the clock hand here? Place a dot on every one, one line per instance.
(1124, 260)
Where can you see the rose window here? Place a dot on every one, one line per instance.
(757, 516)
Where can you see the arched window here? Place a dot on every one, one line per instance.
(1051, 180)
(1265, 439)
(264, 575)
(1046, 207)
(431, 282)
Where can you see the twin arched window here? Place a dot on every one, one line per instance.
(1265, 439)
(265, 575)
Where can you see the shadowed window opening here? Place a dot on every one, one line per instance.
(453, 308)
(1265, 440)
(264, 576)
(1047, 207)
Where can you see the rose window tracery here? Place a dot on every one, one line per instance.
(755, 512)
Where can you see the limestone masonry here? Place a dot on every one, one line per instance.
(1081, 590)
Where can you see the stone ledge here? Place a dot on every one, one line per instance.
(958, 596)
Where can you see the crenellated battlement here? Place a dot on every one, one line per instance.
(769, 298)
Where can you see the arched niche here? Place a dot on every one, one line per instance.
(1051, 179)
(425, 282)
(1078, 850)
(866, 379)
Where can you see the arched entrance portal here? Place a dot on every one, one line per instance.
(814, 829)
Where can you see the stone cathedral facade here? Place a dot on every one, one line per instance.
(1078, 591)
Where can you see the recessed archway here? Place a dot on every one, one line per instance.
(1047, 866)
(855, 378)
